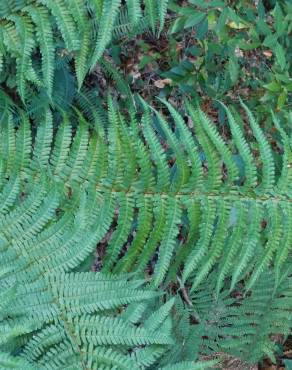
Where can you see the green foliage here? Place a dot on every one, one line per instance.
(220, 50)
(243, 326)
(51, 315)
(63, 190)
(81, 29)
(134, 235)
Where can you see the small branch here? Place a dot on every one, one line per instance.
(184, 292)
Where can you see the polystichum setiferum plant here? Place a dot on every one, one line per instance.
(176, 206)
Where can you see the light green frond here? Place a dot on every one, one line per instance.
(159, 157)
(201, 247)
(101, 330)
(216, 247)
(77, 155)
(169, 240)
(12, 362)
(162, 10)
(285, 179)
(24, 29)
(8, 146)
(23, 144)
(137, 194)
(65, 22)
(283, 252)
(125, 206)
(134, 10)
(156, 235)
(250, 244)
(221, 147)
(43, 141)
(44, 34)
(190, 366)
(195, 180)
(61, 146)
(109, 14)
(181, 173)
(83, 54)
(158, 317)
(233, 244)
(151, 13)
(209, 150)
(144, 223)
(272, 245)
(250, 169)
(268, 172)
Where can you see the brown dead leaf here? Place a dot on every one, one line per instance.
(268, 53)
(162, 83)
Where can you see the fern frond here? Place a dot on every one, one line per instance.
(7, 362)
(44, 34)
(8, 148)
(43, 141)
(250, 169)
(65, 22)
(190, 366)
(151, 13)
(81, 60)
(162, 10)
(210, 152)
(79, 30)
(222, 149)
(109, 14)
(24, 29)
(169, 241)
(250, 244)
(134, 11)
(126, 186)
(268, 175)
(195, 180)
(284, 181)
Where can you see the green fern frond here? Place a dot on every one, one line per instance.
(44, 34)
(268, 175)
(126, 186)
(65, 22)
(243, 327)
(77, 29)
(134, 11)
(11, 362)
(151, 13)
(162, 10)
(146, 173)
(109, 14)
(190, 366)
(43, 141)
(24, 29)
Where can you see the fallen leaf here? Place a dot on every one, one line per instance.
(161, 83)
(267, 53)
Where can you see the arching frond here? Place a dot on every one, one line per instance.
(154, 198)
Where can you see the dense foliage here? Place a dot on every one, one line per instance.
(84, 29)
(145, 233)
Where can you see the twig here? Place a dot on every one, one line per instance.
(184, 292)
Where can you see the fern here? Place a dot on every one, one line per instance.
(50, 314)
(65, 189)
(146, 190)
(244, 327)
(162, 10)
(83, 29)
(44, 34)
(108, 16)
